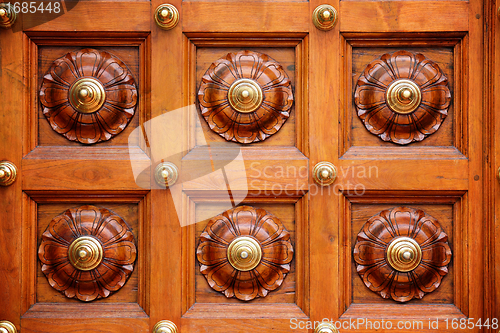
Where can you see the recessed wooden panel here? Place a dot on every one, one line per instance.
(46, 294)
(285, 56)
(286, 293)
(47, 54)
(443, 213)
(362, 56)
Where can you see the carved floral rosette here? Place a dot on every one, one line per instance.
(269, 104)
(245, 253)
(88, 96)
(387, 112)
(87, 253)
(402, 253)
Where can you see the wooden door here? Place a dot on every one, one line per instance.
(245, 99)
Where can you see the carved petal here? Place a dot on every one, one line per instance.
(371, 252)
(119, 89)
(118, 248)
(264, 229)
(374, 111)
(256, 125)
(246, 286)
(279, 253)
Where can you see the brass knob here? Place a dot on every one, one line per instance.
(166, 16)
(244, 253)
(8, 173)
(7, 327)
(166, 174)
(87, 95)
(403, 96)
(404, 254)
(165, 326)
(325, 17)
(85, 253)
(326, 327)
(8, 15)
(245, 95)
(324, 173)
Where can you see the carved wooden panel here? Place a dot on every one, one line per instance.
(402, 253)
(88, 96)
(245, 253)
(245, 97)
(87, 253)
(402, 97)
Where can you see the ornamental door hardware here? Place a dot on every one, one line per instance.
(166, 16)
(245, 253)
(245, 97)
(165, 326)
(402, 253)
(88, 96)
(402, 97)
(7, 327)
(324, 17)
(8, 15)
(8, 173)
(87, 253)
(324, 173)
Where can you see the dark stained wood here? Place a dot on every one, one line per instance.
(370, 97)
(370, 253)
(267, 119)
(115, 238)
(273, 239)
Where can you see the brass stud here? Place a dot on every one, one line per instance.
(403, 96)
(7, 327)
(324, 173)
(245, 95)
(244, 253)
(85, 253)
(326, 327)
(87, 95)
(8, 15)
(165, 326)
(166, 16)
(8, 173)
(325, 17)
(404, 254)
(166, 174)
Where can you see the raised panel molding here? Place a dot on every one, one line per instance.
(245, 253)
(245, 97)
(402, 97)
(87, 253)
(402, 253)
(88, 96)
